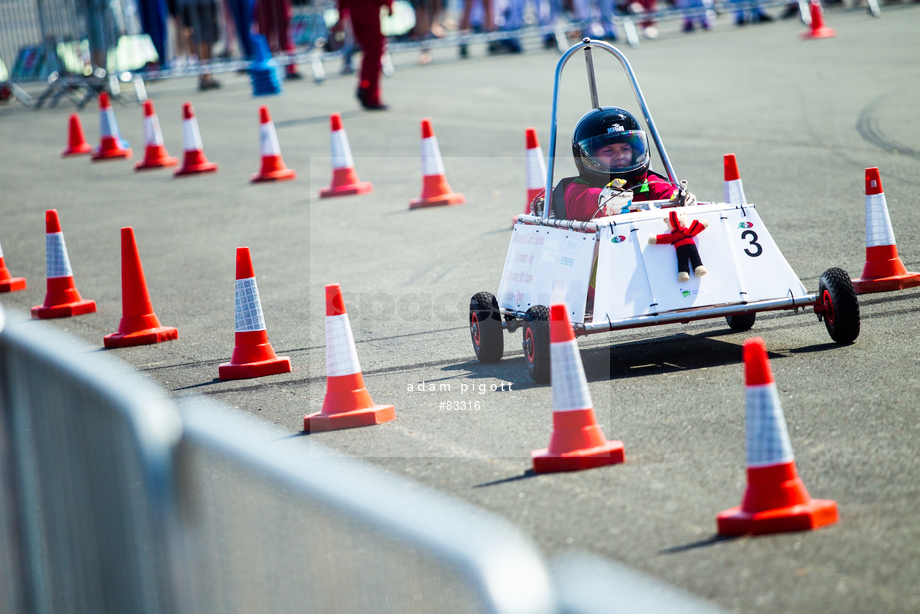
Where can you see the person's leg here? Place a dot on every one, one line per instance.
(365, 19)
(285, 40)
(207, 35)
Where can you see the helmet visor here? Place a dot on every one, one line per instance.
(616, 153)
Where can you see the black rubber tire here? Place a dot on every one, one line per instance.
(486, 327)
(536, 343)
(841, 307)
(741, 321)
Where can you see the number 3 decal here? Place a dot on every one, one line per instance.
(752, 236)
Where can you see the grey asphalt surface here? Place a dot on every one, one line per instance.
(805, 118)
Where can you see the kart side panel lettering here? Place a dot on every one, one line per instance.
(547, 265)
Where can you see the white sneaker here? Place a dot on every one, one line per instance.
(650, 32)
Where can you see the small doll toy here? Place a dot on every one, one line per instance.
(681, 237)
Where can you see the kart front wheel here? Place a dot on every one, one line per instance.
(838, 306)
(486, 327)
(536, 343)
(741, 321)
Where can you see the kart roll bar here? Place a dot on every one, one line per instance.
(587, 45)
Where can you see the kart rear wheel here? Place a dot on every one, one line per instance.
(838, 306)
(536, 343)
(486, 327)
(741, 321)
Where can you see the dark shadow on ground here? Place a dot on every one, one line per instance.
(527, 474)
(709, 541)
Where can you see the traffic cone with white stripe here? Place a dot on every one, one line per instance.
(8, 283)
(62, 299)
(435, 191)
(195, 160)
(111, 145)
(775, 499)
(817, 29)
(734, 190)
(535, 172)
(577, 441)
(884, 270)
(344, 178)
(139, 325)
(347, 403)
(76, 140)
(273, 167)
(253, 355)
(155, 155)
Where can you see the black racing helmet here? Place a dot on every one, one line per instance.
(602, 127)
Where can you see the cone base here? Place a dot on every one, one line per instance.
(822, 32)
(362, 187)
(272, 366)
(111, 154)
(281, 174)
(64, 310)
(163, 162)
(207, 167)
(812, 515)
(437, 201)
(377, 414)
(610, 453)
(886, 284)
(13, 284)
(79, 150)
(141, 337)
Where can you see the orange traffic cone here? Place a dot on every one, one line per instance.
(76, 140)
(62, 299)
(8, 283)
(111, 145)
(273, 168)
(884, 270)
(435, 191)
(347, 403)
(535, 172)
(577, 441)
(195, 160)
(344, 178)
(775, 499)
(139, 325)
(155, 155)
(253, 355)
(734, 190)
(817, 28)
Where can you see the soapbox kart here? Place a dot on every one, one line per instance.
(552, 260)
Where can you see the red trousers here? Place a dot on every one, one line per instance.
(365, 21)
(274, 19)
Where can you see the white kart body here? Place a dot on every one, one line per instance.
(636, 282)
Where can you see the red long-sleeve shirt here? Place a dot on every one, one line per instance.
(581, 199)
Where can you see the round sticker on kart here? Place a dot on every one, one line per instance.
(745, 225)
(618, 239)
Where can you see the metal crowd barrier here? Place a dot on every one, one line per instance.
(281, 524)
(79, 48)
(88, 494)
(112, 500)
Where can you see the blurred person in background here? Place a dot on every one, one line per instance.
(202, 19)
(695, 9)
(365, 23)
(476, 17)
(100, 31)
(274, 21)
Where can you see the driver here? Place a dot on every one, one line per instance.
(612, 156)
